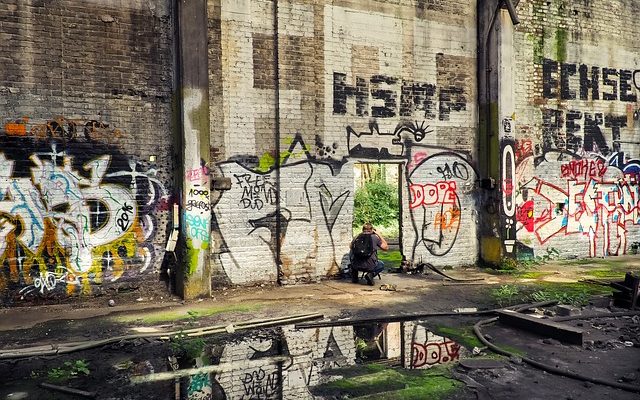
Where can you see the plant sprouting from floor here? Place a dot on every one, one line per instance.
(508, 265)
(511, 265)
(184, 347)
(361, 346)
(505, 294)
(69, 370)
(577, 298)
(193, 317)
(551, 254)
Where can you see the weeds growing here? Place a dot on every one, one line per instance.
(505, 295)
(183, 347)
(69, 370)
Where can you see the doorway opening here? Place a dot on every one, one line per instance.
(378, 200)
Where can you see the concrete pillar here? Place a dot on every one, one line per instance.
(506, 113)
(393, 340)
(488, 143)
(194, 276)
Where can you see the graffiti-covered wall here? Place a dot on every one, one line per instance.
(577, 132)
(85, 146)
(359, 81)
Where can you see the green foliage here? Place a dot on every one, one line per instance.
(576, 294)
(391, 259)
(377, 203)
(361, 346)
(505, 294)
(510, 265)
(70, 369)
(579, 298)
(389, 232)
(183, 347)
(552, 254)
(193, 317)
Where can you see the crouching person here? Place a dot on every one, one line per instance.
(364, 254)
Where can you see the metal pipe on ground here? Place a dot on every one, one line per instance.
(64, 348)
(410, 317)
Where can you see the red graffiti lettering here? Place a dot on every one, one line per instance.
(523, 149)
(583, 169)
(434, 353)
(197, 174)
(507, 186)
(599, 210)
(443, 192)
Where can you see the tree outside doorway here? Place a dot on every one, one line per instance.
(377, 199)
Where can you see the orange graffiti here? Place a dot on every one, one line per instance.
(448, 220)
(17, 127)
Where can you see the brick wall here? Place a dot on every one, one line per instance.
(577, 130)
(359, 81)
(85, 104)
(85, 145)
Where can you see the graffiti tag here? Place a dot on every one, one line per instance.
(443, 192)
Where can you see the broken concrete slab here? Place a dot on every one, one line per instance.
(565, 310)
(543, 327)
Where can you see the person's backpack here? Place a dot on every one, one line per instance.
(363, 246)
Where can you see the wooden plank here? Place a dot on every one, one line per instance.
(543, 327)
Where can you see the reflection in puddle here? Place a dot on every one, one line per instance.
(286, 362)
(428, 349)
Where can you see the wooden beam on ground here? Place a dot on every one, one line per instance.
(543, 327)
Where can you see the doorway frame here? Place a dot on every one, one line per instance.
(401, 166)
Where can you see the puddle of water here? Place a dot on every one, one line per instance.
(287, 363)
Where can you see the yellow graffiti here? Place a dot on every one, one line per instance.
(53, 260)
(267, 161)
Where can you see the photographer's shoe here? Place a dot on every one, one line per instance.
(369, 278)
(354, 276)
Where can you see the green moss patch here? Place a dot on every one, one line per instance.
(436, 387)
(381, 382)
(376, 382)
(561, 44)
(574, 287)
(513, 350)
(193, 314)
(463, 335)
(576, 294)
(610, 262)
(533, 274)
(605, 273)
